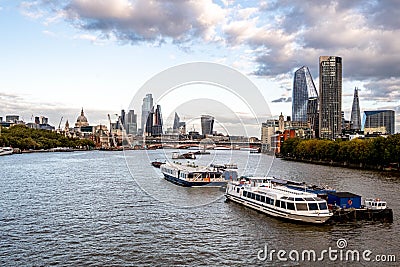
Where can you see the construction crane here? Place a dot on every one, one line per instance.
(111, 131)
(59, 125)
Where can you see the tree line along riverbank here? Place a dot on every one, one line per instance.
(24, 138)
(375, 153)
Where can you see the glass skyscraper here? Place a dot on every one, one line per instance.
(330, 97)
(355, 118)
(146, 109)
(207, 124)
(379, 121)
(304, 98)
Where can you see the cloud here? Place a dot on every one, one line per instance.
(282, 100)
(280, 35)
(383, 90)
(146, 21)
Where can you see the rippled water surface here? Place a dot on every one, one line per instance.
(114, 208)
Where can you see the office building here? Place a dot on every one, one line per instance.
(381, 121)
(268, 131)
(157, 128)
(304, 96)
(12, 118)
(146, 109)
(330, 97)
(207, 124)
(131, 122)
(355, 119)
(154, 124)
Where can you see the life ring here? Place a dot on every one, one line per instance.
(350, 202)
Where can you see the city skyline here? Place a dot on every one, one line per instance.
(63, 55)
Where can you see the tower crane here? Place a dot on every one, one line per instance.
(59, 125)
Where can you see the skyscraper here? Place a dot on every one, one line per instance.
(355, 119)
(131, 122)
(379, 121)
(175, 127)
(330, 94)
(207, 124)
(157, 128)
(305, 98)
(146, 109)
(154, 124)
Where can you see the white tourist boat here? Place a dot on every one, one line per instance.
(278, 201)
(6, 151)
(192, 175)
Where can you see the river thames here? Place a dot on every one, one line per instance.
(100, 208)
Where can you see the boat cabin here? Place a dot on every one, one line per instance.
(344, 200)
(375, 204)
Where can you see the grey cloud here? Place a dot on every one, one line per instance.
(283, 35)
(383, 90)
(282, 100)
(142, 20)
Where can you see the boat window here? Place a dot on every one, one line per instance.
(290, 206)
(245, 193)
(257, 197)
(262, 198)
(312, 206)
(322, 206)
(267, 200)
(309, 199)
(271, 201)
(283, 204)
(278, 203)
(237, 190)
(299, 199)
(284, 197)
(301, 206)
(253, 196)
(291, 198)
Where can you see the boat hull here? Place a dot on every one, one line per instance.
(185, 183)
(278, 214)
(4, 152)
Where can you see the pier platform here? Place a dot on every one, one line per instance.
(362, 214)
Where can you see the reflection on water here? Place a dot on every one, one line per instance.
(89, 208)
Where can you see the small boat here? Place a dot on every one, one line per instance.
(191, 175)
(6, 151)
(157, 164)
(189, 155)
(375, 204)
(278, 201)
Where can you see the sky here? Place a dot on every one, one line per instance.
(61, 55)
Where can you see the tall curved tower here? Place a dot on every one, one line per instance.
(305, 98)
(355, 119)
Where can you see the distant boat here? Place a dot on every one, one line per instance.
(222, 148)
(191, 175)
(6, 151)
(157, 164)
(190, 155)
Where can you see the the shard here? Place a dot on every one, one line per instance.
(355, 119)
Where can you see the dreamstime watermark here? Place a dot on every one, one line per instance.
(339, 253)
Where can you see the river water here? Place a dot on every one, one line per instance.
(114, 209)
